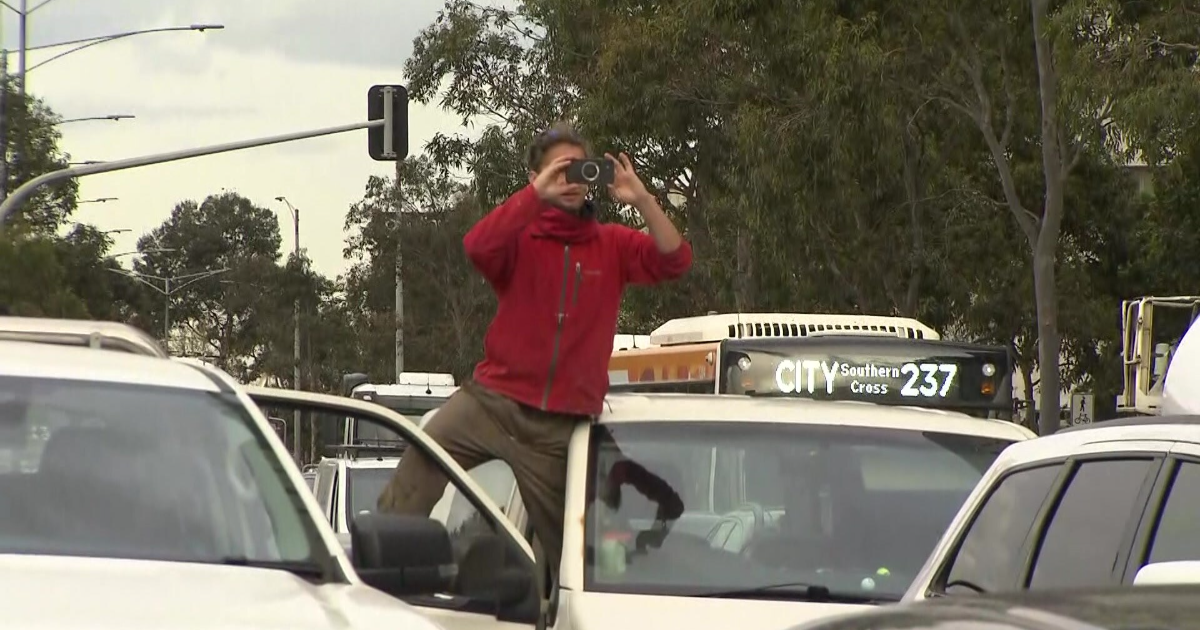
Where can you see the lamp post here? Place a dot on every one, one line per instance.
(295, 323)
(112, 117)
(96, 200)
(23, 11)
(23, 48)
(169, 288)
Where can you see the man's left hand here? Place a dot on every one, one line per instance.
(626, 188)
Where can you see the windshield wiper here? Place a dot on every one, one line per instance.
(797, 590)
(302, 569)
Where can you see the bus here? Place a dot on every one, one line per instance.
(884, 360)
(416, 394)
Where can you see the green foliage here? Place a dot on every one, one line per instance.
(852, 157)
(48, 273)
(213, 265)
(447, 305)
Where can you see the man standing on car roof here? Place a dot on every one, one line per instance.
(558, 275)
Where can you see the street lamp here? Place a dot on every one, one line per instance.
(295, 323)
(152, 250)
(88, 42)
(116, 231)
(168, 289)
(96, 200)
(113, 117)
(85, 163)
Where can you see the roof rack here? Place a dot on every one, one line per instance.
(721, 326)
(103, 335)
(378, 448)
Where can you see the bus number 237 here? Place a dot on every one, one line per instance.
(928, 379)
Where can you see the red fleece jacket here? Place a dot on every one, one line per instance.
(559, 279)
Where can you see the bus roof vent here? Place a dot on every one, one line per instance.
(708, 328)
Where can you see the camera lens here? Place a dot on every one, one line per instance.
(590, 171)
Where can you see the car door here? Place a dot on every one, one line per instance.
(1058, 523)
(1168, 530)
(471, 516)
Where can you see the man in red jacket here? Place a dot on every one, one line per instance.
(558, 275)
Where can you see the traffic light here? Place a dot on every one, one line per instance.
(390, 104)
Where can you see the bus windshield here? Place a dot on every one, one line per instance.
(963, 377)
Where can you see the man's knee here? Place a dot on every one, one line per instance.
(415, 486)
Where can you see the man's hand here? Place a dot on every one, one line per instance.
(551, 183)
(626, 187)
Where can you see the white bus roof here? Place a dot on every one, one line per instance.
(717, 327)
(628, 342)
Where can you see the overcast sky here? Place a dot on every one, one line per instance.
(278, 66)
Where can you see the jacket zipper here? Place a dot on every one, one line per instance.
(562, 315)
(578, 278)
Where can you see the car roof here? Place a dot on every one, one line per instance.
(1163, 606)
(366, 462)
(82, 333)
(645, 407)
(374, 462)
(51, 361)
(1068, 441)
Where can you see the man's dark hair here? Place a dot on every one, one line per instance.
(560, 133)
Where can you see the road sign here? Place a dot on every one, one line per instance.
(1083, 408)
(389, 103)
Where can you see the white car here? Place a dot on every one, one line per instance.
(1107, 504)
(347, 486)
(144, 492)
(81, 332)
(792, 510)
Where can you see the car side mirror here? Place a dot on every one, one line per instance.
(1181, 572)
(402, 555)
(487, 574)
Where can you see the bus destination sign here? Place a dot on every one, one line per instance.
(915, 380)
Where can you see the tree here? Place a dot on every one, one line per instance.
(32, 138)
(1066, 95)
(48, 275)
(216, 263)
(809, 157)
(447, 304)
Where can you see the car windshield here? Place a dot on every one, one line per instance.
(144, 472)
(771, 509)
(364, 485)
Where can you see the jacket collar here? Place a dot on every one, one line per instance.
(560, 225)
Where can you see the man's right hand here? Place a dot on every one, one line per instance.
(551, 182)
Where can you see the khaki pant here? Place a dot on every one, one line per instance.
(477, 425)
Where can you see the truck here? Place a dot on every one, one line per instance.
(1154, 333)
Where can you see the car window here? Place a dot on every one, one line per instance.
(1177, 536)
(497, 481)
(988, 557)
(363, 487)
(1089, 525)
(144, 472)
(805, 503)
(484, 555)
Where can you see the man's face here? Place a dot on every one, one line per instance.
(573, 195)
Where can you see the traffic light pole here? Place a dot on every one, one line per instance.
(27, 190)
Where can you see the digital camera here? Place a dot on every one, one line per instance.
(592, 171)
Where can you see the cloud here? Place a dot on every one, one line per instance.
(361, 32)
(187, 91)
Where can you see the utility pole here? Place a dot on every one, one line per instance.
(167, 313)
(22, 44)
(295, 328)
(3, 125)
(168, 289)
(399, 278)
